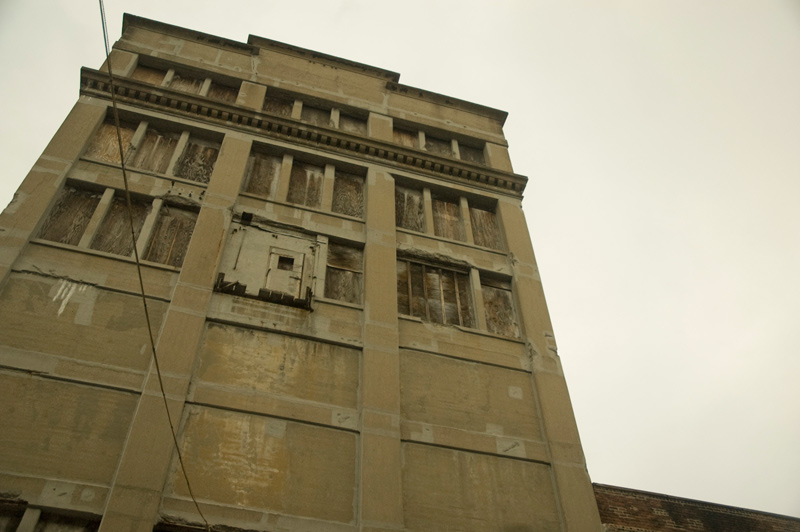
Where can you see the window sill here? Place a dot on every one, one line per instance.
(461, 328)
(103, 254)
(458, 242)
(301, 207)
(132, 170)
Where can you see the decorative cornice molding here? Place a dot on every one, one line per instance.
(95, 83)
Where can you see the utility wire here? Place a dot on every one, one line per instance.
(139, 266)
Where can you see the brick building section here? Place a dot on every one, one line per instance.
(627, 510)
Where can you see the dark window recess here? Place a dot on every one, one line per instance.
(447, 219)
(10, 516)
(262, 173)
(197, 161)
(405, 137)
(105, 143)
(473, 155)
(70, 216)
(316, 115)
(409, 209)
(499, 307)
(348, 194)
(278, 105)
(114, 233)
(485, 231)
(305, 185)
(434, 294)
(438, 146)
(344, 274)
(222, 93)
(155, 151)
(188, 84)
(285, 263)
(64, 523)
(352, 124)
(149, 75)
(171, 236)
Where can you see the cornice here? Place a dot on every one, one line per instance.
(95, 83)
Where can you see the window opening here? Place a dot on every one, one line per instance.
(262, 173)
(305, 185)
(409, 209)
(435, 294)
(344, 273)
(70, 216)
(348, 194)
(197, 160)
(285, 263)
(114, 233)
(105, 144)
(447, 219)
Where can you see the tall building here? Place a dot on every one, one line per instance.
(350, 324)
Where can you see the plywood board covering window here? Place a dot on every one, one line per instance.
(499, 307)
(473, 155)
(114, 233)
(447, 219)
(154, 76)
(348, 194)
(263, 170)
(405, 137)
(305, 184)
(197, 161)
(316, 116)
(434, 294)
(105, 143)
(278, 105)
(222, 93)
(344, 274)
(409, 209)
(171, 236)
(485, 231)
(70, 216)
(438, 146)
(352, 124)
(155, 151)
(188, 84)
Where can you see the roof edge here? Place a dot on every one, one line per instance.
(141, 22)
(443, 99)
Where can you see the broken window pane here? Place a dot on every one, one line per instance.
(473, 155)
(105, 143)
(114, 233)
(499, 307)
(352, 124)
(70, 216)
(197, 161)
(348, 194)
(485, 231)
(222, 93)
(155, 151)
(447, 219)
(434, 294)
(262, 173)
(409, 209)
(316, 115)
(188, 84)
(154, 76)
(171, 236)
(305, 184)
(405, 137)
(438, 146)
(343, 277)
(278, 105)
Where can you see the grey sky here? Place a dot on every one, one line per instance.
(661, 142)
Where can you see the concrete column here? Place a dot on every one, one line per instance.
(477, 299)
(380, 488)
(168, 78)
(205, 87)
(497, 157)
(251, 95)
(147, 228)
(135, 495)
(335, 117)
(297, 109)
(427, 199)
(327, 187)
(466, 220)
(380, 127)
(179, 147)
(454, 149)
(421, 139)
(97, 218)
(572, 483)
(320, 266)
(122, 63)
(19, 221)
(284, 177)
(29, 520)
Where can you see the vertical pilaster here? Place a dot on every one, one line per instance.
(135, 494)
(381, 494)
(97, 218)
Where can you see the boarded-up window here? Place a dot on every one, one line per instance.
(305, 184)
(405, 137)
(197, 160)
(447, 219)
(186, 83)
(316, 115)
(409, 209)
(262, 173)
(352, 124)
(64, 523)
(473, 155)
(222, 93)
(154, 76)
(438, 146)
(344, 274)
(485, 231)
(70, 216)
(348, 194)
(105, 143)
(278, 105)
(114, 233)
(499, 307)
(171, 236)
(434, 294)
(155, 151)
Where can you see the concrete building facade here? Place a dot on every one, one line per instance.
(349, 320)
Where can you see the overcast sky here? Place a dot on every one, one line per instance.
(662, 143)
